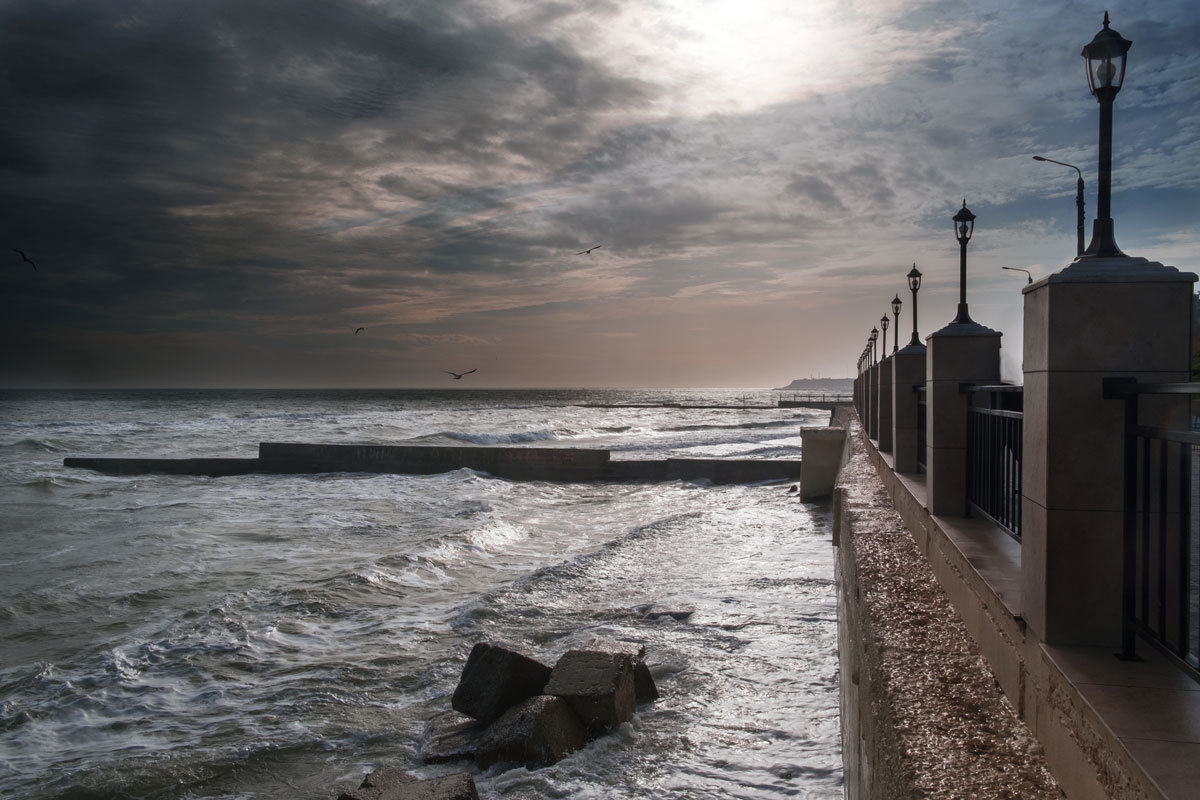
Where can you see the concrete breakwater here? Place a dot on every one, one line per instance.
(513, 463)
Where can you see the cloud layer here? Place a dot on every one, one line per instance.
(219, 193)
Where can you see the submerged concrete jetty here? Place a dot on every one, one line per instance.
(513, 463)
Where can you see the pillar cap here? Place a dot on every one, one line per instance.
(965, 329)
(910, 349)
(1118, 269)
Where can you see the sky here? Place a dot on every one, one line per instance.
(220, 193)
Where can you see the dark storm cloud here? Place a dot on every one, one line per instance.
(174, 161)
(814, 188)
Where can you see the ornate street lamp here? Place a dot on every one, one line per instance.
(1078, 201)
(914, 283)
(964, 227)
(874, 338)
(1105, 56)
(883, 324)
(896, 315)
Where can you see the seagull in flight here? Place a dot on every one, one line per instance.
(357, 331)
(25, 258)
(589, 250)
(458, 375)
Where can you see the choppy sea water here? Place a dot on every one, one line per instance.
(276, 636)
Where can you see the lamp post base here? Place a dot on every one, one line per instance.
(1104, 243)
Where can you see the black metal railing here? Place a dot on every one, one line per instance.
(1160, 597)
(994, 422)
(922, 427)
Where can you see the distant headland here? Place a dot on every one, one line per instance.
(818, 385)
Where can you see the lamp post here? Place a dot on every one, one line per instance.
(874, 338)
(896, 316)
(1105, 56)
(1078, 201)
(914, 283)
(883, 325)
(964, 227)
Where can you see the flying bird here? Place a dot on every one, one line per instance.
(458, 375)
(26, 259)
(358, 331)
(589, 250)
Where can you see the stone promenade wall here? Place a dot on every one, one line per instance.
(922, 714)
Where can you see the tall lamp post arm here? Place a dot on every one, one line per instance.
(1079, 205)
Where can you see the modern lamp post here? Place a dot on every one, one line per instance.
(1078, 201)
(896, 316)
(914, 283)
(964, 227)
(1105, 56)
(1028, 274)
(883, 326)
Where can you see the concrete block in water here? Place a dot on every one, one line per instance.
(821, 450)
(496, 678)
(517, 463)
(535, 732)
(599, 686)
(644, 688)
(449, 737)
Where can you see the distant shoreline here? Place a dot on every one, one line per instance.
(818, 384)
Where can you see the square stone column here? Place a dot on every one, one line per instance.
(908, 371)
(959, 353)
(1096, 318)
(884, 405)
(872, 420)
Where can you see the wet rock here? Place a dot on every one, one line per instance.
(651, 611)
(375, 783)
(536, 732)
(392, 783)
(599, 687)
(495, 679)
(450, 736)
(644, 688)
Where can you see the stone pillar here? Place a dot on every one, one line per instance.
(872, 420)
(908, 371)
(961, 352)
(1097, 317)
(884, 406)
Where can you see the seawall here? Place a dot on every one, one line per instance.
(923, 714)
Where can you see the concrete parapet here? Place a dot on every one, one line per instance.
(921, 714)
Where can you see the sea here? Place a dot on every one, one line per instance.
(278, 636)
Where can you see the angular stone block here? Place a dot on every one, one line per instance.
(599, 687)
(644, 688)
(449, 737)
(495, 679)
(377, 782)
(535, 732)
(392, 783)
